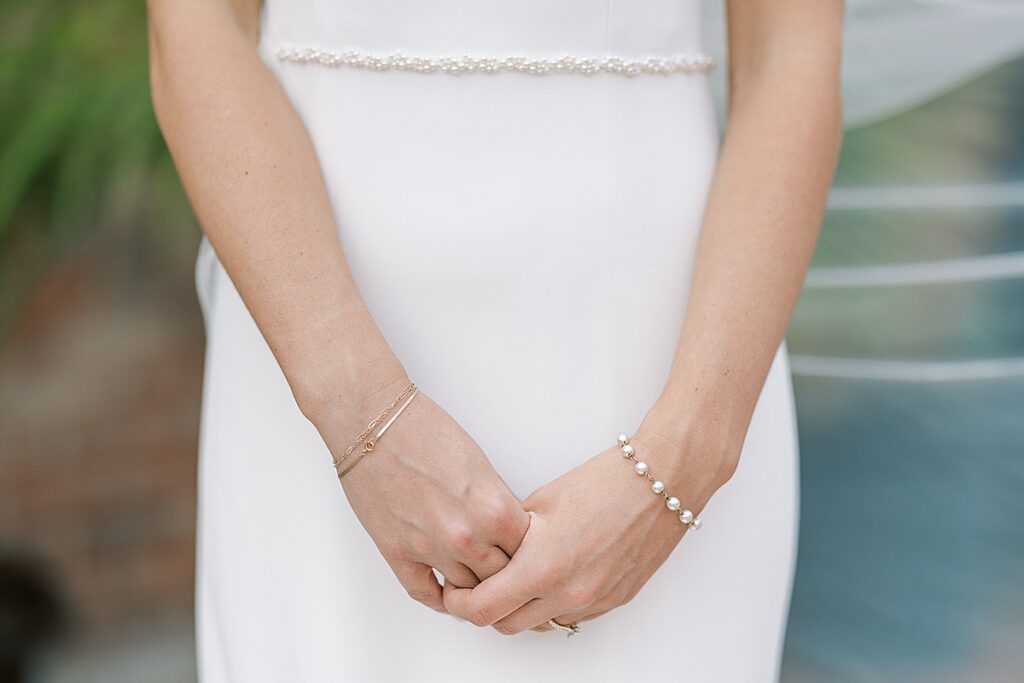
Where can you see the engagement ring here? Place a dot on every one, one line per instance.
(570, 630)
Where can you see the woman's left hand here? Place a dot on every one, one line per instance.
(596, 535)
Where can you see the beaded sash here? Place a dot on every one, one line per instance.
(692, 63)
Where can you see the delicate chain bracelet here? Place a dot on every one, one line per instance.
(671, 502)
(368, 444)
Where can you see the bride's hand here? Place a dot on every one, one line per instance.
(429, 497)
(596, 535)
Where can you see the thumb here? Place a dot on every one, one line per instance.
(498, 595)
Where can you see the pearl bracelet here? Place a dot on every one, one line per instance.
(671, 502)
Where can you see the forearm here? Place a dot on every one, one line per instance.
(253, 178)
(760, 227)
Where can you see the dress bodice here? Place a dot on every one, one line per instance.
(487, 28)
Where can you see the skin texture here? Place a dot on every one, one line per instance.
(254, 181)
(581, 557)
(253, 178)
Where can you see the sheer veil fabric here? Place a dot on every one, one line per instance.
(900, 53)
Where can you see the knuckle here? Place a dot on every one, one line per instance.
(504, 629)
(627, 595)
(581, 593)
(499, 517)
(460, 538)
(479, 616)
(485, 556)
(420, 594)
(476, 552)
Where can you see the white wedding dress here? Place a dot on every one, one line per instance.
(526, 244)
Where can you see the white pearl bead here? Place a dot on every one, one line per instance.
(696, 525)
(672, 503)
(658, 487)
(681, 63)
(685, 516)
(623, 439)
(627, 451)
(641, 468)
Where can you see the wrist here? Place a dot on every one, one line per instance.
(354, 389)
(340, 361)
(342, 420)
(695, 452)
(347, 392)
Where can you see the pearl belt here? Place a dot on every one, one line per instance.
(696, 62)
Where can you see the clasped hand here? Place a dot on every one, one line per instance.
(596, 535)
(574, 549)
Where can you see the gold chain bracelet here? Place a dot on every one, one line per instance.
(373, 423)
(368, 444)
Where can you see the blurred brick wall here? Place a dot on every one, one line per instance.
(100, 377)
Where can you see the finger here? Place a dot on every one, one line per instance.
(457, 574)
(493, 561)
(512, 528)
(579, 617)
(421, 584)
(587, 617)
(495, 597)
(572, 618)
(534, 614)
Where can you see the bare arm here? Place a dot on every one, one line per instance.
(252, 175)
(760, 228)
(255, 183)
(583, 556)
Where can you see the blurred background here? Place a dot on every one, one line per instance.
(907, 350)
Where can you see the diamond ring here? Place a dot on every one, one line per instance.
(570, 630)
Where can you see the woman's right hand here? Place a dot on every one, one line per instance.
(428, 496)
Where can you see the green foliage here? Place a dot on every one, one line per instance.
(79, 147)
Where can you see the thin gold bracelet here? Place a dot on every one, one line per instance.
(369, 445)
(373, 423)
